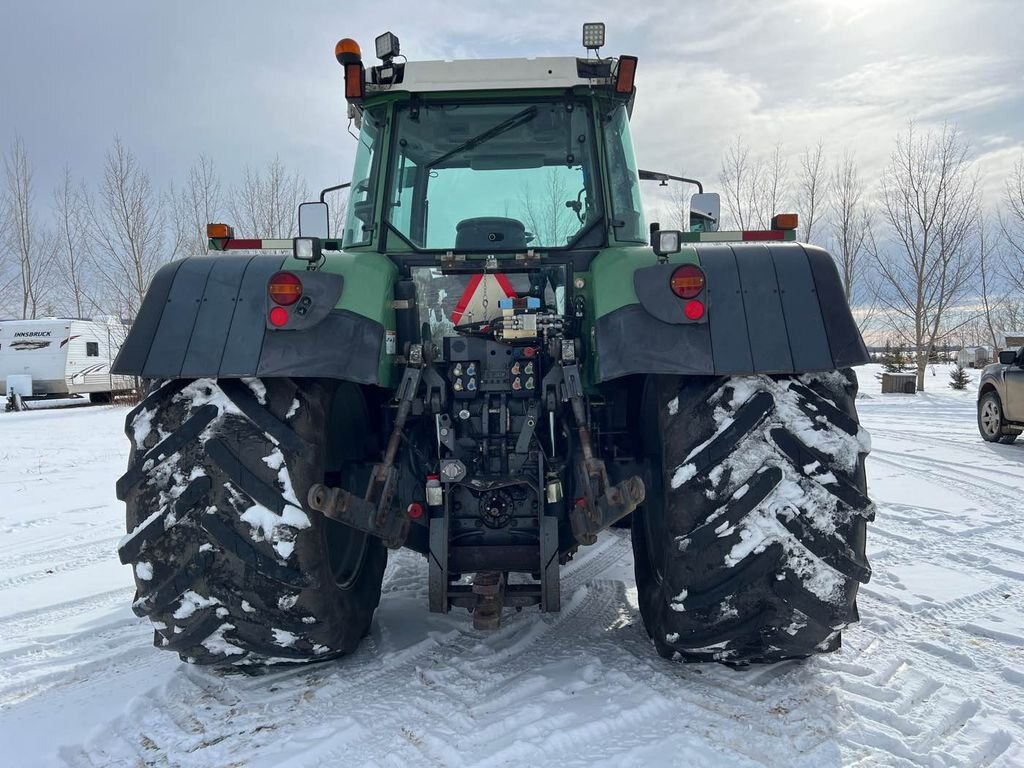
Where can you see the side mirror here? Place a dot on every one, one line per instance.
(314, 220)
(1008, 357)
(705, 212)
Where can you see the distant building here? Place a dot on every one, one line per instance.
(973, 357)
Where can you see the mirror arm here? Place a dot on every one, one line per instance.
(663, 177)
(323, 192)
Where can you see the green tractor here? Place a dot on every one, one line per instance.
(494, 362)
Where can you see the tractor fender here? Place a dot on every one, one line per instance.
(208, 316)
(776, 308)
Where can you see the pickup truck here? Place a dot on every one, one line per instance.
(1001, 398)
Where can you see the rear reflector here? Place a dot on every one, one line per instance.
(278, 316)
(687, 281)
(284, 288)
(694, 310)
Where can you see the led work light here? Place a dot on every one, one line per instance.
(593, 35)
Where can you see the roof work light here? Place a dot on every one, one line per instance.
(593, 35)
(387, 46)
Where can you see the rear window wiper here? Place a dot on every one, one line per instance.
(518, 119)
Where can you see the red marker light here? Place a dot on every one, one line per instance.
(414, 511)
(278, 316)
(694, 310)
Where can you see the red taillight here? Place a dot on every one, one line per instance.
(278, 316)
(694, 310)
(285, 288)
(687, 281)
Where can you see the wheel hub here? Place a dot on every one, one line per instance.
(990, 417)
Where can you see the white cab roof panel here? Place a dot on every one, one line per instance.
(481, 74)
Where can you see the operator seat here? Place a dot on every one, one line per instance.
(486, 232)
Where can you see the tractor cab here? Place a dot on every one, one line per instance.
(494, 156)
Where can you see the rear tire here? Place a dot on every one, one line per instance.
(751, 544)
(101, 398)
(228, 564)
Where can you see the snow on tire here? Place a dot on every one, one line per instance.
(751, 545)
(228, 565)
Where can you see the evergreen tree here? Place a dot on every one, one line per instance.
(896, 360)
(958, 378)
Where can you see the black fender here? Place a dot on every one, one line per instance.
(208, 316)
(776, 308)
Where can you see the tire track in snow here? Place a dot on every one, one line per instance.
(57, 561)
(305, 696)
(24, 623)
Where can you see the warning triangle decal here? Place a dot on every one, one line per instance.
(471, 309)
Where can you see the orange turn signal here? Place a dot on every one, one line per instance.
(687, 281)
(355, 81)
(785, 221)
(347, 51)
(219, 232)
(626, 73)
(285, 288)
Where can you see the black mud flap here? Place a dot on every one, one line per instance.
(771, 308)
(207, 316)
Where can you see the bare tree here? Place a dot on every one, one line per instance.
(1012, 224)
(1011, 313)
(770, 194)
(544, 211)
(70, 213)
(31, 245)
(812, 190)
(338, 204)
(929, 199)
(8, 274)
(850, 226)
(266, 204)
(992, 284)
(679, 200)
(740, 178)
(127, 225)
(198, 204)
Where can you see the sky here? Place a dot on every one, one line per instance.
(245, 82)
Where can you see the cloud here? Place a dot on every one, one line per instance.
(258, 80)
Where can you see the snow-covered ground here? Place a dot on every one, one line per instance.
(933, 675)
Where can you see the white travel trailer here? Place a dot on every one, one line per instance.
(58, 357)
